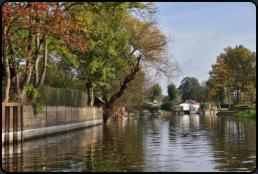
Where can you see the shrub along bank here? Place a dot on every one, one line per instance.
(246, 113)
(205, 106)
(167, 105)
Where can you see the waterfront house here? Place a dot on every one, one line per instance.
(189, 105)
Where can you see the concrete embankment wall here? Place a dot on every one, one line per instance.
(52, 120)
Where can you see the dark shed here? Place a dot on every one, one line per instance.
(99, 102)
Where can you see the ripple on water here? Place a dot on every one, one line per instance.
(149, 144)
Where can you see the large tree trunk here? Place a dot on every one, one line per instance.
(38, 83)
(90, 89)
(43, 73)
(21, 94)
(6, 66)
(110, 103)
(36, 61)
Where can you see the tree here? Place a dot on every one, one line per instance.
(166, 99)
(216, 92)
(27, 25)
(135, 94)
(187, 86)
(173, 92)
(161, 97)
(233, 71)
(155, 92)
(104, 29)
(250, 94)
(206, 90)
(147, 48)
(58, 75)
(242, 63)
(221, 77)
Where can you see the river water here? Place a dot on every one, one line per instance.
(189, 143)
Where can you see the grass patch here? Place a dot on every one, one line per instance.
(230, 111)
(246, 113)
(243, 104)
(162, 111)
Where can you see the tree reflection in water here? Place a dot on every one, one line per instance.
(143, 143)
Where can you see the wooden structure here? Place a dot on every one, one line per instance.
(12, 121)
(99, 102)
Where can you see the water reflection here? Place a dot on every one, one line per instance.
(51, 153)
(143, 143)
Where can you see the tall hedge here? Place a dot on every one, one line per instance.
(62, 96)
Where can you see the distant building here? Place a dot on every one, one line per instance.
(155, 103)
(189, 105)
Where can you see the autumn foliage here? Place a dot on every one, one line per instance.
(45, 18)
(26, 27)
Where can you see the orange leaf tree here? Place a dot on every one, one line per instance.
(221, 78)
(26, 27)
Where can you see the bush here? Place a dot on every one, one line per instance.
(246, 113)
(155, 109)
(205, 106)
(146, 106)
(167, 105)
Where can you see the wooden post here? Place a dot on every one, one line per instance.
(3, 123)
(15, 123)
(19, 118)
(3, 119)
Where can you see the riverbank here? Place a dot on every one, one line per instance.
(240, 110)
(20, 123)
(246, 114)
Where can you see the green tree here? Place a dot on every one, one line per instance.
(134, 96)
(216, 92)
(198, 93)
(205, 106)
(155, 92)
(173, 92)
(161, 98)
(58, 75)
(242, 63)
(187, 86)
(166, 98)
(221, 76)
(147, 49)
(104, 31)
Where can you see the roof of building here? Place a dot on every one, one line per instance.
(100, 99)
(189, 101)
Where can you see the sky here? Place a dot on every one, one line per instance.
(202, 30)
